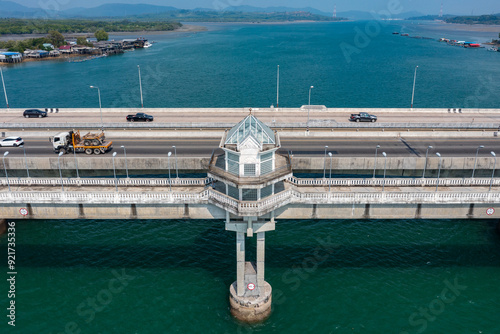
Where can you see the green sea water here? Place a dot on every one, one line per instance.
(371, 276)
(338, 276)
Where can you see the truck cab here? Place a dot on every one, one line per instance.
(61, 140)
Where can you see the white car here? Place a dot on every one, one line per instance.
(11, 141)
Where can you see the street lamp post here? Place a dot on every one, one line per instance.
(5, 168)
(60, 172)
(4, 90)
(76, 163)
(125, 154)
(494, 165)
(475, 159)
(375, 164)
(175, 157)
(439, 170)
(278, 88)
(140, 85)
(324, 163)
(100, 106)
(425, 166)
(385, 168)
(413, 91)
(330, 183)
(309, 107)
(114, 172)
(26, 161)
(169, 180)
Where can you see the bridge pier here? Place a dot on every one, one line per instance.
(250, 296)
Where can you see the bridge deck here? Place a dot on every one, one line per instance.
(195, 198)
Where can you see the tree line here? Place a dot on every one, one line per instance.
(235, 16)
(38, 26)
(483, 19)
(54, 37)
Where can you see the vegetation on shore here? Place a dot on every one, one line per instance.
(55, 38)
(483, 19)
(20, 46)
(234, 16)
(36, 26)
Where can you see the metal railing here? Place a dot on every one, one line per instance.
(104, 197)
(300, 182)
(393, 182)
(294, 196)
(127, 182)
(245, 208)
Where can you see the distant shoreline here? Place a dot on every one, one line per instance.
(469, 27)
(184, 28)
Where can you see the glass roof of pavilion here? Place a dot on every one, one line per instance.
(250, 126)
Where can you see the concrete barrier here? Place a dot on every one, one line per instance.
(316, 124)
(340, 165)
(246, 110)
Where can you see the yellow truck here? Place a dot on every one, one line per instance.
(91, 143)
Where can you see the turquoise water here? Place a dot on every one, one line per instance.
(235, 66)
(372, 276)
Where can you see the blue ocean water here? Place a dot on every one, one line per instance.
(235, 65)
(172, 276)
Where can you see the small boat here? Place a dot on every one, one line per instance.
(395, 33)
(147, 44)
(405, 34)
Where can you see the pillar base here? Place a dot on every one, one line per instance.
(251, 309)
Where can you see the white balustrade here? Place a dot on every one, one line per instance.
(105, 182)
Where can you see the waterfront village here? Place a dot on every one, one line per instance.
(494, 45)
(94, 50)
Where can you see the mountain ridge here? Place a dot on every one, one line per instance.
(119, 10)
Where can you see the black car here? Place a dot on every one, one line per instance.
(34, 113)
(140, 117)
(363, 117)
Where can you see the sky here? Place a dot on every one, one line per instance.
(462, 7)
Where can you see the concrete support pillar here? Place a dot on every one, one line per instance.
(250, 296)
(240, 263)
(261, 258)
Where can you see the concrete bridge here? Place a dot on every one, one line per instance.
(300, 198)
(252, 188)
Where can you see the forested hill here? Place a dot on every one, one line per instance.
(20, 26)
